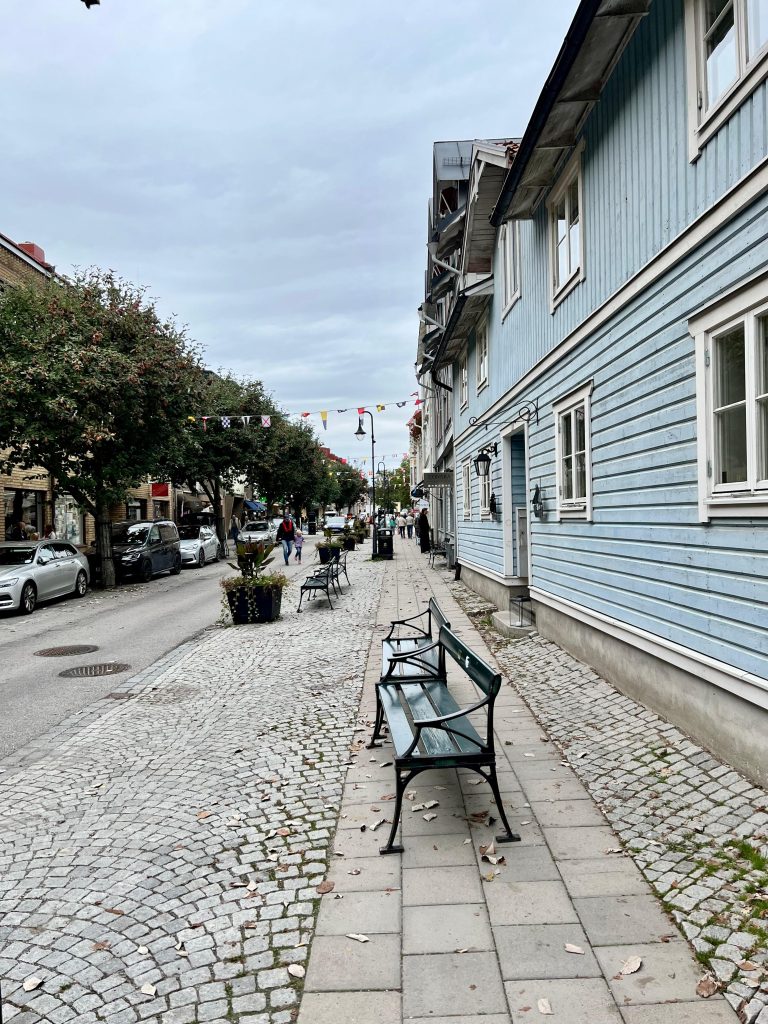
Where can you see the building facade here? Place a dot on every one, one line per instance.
(616, 370)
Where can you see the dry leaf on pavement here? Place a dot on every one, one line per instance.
(357, 937)
(101, 945)
(143, 949)
(296, 970)
(544, 1007)
(632, 965)
(706, 987)
(31, 983)
(570, 948)
(429, 817)
(325, 886)
(148, 989)
(354, 871)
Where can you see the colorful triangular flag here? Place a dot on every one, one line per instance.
(205, 422)
(324, 418)
(266, 421)
(225, 421)
(380, 408)
(246, 420)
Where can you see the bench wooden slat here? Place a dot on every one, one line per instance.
(433, 700)
(424, 664)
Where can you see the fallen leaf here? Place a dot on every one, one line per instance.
(357, 937)
(179, 946)
(544, 1007)
(525, 823)
(384, 764)
(326, 886)
(570, 948)
(613, 849)
(706, 987)
(354, 871)
(203, 814)
(429, 817)
(101, 945)
(632, 965)
(375, 825)
(253, 885)
(464, 950)
(112, 910)
(31, 983)
(476, 782)
(529, 755)
(466, 842)
(490, 876)
(478, 815)
(148, 989)
(748, 965)
(296, 970)
(143, 950)
(283, 832)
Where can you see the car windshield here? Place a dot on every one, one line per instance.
(259, 527)
(129, 533)
(16, 556)
(189, 532)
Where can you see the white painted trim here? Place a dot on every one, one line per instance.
(508, 581)
(744, 684)
(572, 169)
(466, 475)
(579, 396)
(731, 203)
(503, 247)
(702, 125)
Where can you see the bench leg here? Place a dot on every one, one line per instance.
(327, 594)
(401, 783)
(510, 837)
(377, 725)
(301, 598)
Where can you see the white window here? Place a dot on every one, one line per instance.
(566, 235)
(481, 354)
(509, 251)
(574, 454)
(485, 495)
(463, 383)
(727, 57)
(732, 395)
(466, 490)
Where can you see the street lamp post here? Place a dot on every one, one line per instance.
(381, 467)
(360, 434)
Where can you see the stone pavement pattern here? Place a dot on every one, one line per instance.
(454, 939)
(697, 829)
(171, 838)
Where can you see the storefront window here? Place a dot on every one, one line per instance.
(68, 520)
(26, 506)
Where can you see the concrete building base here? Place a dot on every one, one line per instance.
(492, 590)
(733, 729)
(502, 624)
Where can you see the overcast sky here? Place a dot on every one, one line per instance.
(263, 168)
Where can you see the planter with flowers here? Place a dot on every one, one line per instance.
(255, 598)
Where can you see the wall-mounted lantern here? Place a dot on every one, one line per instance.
(482, 461)
(537, 502)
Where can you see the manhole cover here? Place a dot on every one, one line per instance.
(65, 652)
(108, 668)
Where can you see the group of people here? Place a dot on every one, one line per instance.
(407, 523)
(23, 531)
(288, 535)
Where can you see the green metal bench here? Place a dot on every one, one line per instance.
(411, 650)
(429, 729)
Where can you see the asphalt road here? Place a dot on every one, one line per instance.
(135, 625)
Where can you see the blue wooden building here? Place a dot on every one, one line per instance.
(607, 339)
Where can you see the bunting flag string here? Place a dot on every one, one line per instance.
(228, 420)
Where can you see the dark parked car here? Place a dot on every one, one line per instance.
(142, 549)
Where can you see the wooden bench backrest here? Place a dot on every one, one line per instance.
(479, 671)
(437, 619)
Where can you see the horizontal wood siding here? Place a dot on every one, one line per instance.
(480, 541)
(645, 559)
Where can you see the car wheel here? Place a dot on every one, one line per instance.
(81, 584)
(28, 601)
(200, 559)
(176, 567)
(145, 573)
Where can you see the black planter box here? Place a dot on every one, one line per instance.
(349, 543)
(254, 604)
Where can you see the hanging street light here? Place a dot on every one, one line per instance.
(482, 461)
(360, 434)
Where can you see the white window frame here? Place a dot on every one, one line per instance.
(704, 120)
(485, 495)
(570, 173)
(481, 354)
(463, 383)
(579, 508)
(466, 489)
(509, 263)
(743, 306)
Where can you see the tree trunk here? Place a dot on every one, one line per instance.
(104, 544)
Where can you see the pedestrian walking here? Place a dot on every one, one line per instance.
(424, 532)
(49, 533)
(286, 534)
(19, 532)
(298, 543)
(409, 525)
(401, 525)
(392, 523)
(234, 529)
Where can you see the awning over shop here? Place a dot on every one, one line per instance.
(254, 506)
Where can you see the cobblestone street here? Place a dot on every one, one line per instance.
(160, 852)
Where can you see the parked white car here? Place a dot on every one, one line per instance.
(32, 571)
(335, 524)
(199, 544)
(258, 529)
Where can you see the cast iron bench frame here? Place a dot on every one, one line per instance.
(320, 580)
(429, 729)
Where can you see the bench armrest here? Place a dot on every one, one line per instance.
(423, 723)
(407, 622)
(413, 654)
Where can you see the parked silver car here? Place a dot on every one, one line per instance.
(199, 544)
(32, 571)
(257, 529)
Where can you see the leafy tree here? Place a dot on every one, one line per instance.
(395, 488)
(96, 388)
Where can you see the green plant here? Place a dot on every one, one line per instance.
(255, 582)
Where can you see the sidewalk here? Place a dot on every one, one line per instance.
(455, 940)
(162, 853)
